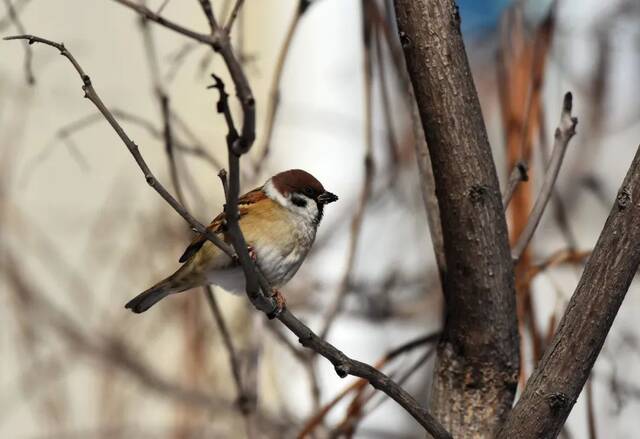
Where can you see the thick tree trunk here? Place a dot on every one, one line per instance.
(476, 372)
(558, 380)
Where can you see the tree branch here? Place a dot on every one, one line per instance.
(91, 94)
(557, 381)
(219, 42)
(565, 131)
(476, 370)
(518, 175)
(255, 281)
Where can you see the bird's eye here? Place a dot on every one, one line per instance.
(308, 192)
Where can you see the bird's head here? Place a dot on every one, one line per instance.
(300, 192)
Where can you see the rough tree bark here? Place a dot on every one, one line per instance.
(557, 381)
(476, 371)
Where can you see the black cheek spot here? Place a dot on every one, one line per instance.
(298, 201)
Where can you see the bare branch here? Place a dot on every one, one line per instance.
(518, 174)
(233, 15)
(234, 363)
(255, 281)
(208, 12)
(151, 180)
(565, 367)
(565, 131)
(358, 385)
(219, 42)
(273, 102)
(213, 40)
(225, 183)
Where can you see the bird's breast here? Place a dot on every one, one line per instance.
(283, 247)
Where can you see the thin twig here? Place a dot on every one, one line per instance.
(233, 15)
(306, 360)
(151, 180)
(208, 12)
(565, 131)
(225, 184)
(518, 174)
(162, 6)
(219, 42)
(234, 363)
(169, 149)
(197, 150)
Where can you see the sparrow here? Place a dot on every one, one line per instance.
(279, 221)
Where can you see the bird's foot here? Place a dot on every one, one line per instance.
(281, 304)
(252, 253)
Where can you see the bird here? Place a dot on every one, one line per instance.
(279, 221)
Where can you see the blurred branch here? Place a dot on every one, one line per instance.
(306, 360)
(565, 367)
(317, 418)
(164, 104)
(14, 17)
(427, 184)
(565, 131)
(560, 257)
(369, 169)
(356, 413)
(18, 6)
(273, 101)
(243, 400)
(392, 142)
(111, 349)
(196, 147)
(233, 15)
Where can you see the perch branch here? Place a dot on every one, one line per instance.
(254, 279)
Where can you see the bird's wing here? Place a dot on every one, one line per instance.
(217, 226)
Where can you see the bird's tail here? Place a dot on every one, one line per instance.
(177, 282)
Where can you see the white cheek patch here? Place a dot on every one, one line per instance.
(310, 211)
(275, 194)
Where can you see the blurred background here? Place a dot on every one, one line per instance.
(81, 232)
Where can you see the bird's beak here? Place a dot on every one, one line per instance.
(327, 197)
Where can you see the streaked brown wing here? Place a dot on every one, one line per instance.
(217, 225)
